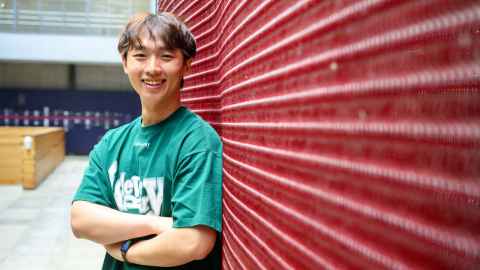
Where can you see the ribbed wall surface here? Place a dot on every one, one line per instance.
(351, 130)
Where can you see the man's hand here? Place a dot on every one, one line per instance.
(173, 247)
(159, 225)
(114, 251)
(104, 225)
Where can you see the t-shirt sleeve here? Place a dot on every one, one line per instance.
(95, 186)
(197, 191)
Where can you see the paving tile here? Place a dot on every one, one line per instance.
(25, 260)
(11, 234)
(9, 194)
(79, 254)
(16, 216)
(35, 224)
(29, 203)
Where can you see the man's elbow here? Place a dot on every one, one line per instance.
(204, 244)
(77, 221)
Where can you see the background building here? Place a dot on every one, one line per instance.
(59, 66)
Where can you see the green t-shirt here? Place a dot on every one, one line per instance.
(171, 169)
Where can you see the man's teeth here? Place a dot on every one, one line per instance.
(153, 82)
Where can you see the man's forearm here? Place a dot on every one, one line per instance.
(173, 247)
(105, 225)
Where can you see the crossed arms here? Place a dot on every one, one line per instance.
(169, 247)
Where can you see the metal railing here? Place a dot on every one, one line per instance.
(40, 20)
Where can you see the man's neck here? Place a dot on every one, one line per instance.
(152, 116)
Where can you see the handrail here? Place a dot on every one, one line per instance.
(12, 20)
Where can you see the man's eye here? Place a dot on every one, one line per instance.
(139, 55)
(167, 56)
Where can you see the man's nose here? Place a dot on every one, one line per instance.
(153, 65)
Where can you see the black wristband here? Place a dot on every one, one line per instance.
(124, 248)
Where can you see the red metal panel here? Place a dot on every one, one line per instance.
(351, 130)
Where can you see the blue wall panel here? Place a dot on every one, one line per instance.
(85, 115)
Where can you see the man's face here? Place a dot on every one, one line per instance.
(155, 72)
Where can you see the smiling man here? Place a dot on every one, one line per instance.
(151, 194)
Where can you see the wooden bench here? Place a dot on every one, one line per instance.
(29, 166)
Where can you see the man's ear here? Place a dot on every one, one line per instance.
(124, 64)
(188, 65)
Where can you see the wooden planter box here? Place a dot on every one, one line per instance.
(29, 166)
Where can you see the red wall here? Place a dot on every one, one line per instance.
(351, 130)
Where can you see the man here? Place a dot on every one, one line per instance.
(151, 193)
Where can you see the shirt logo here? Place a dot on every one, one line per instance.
(141, 144)
(143, 196)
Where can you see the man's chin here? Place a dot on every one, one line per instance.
(156, 94)
(154, 100)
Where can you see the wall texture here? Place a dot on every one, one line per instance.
(351, 130)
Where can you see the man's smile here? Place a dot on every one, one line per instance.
(153, 83)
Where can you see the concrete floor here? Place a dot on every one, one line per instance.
(35, 225)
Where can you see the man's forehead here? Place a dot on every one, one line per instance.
(144, 41)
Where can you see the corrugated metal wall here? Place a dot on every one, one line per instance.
(351, 130)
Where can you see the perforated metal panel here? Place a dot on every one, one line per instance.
(351, 130)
